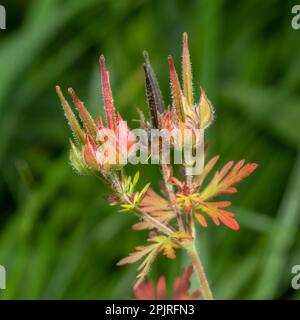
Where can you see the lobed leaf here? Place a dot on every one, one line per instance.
(224, 180)
(156, 206)
(147, 290)
(207, 169)
(182, 285)
(167, 246)
(140, 253)
(215, 211)
(162, 244)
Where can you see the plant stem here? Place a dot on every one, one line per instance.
(189, 180)
(160, 226)
(198, 267)
(171, 195)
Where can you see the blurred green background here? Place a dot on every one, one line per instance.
(59, 238)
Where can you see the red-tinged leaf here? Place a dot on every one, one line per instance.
(207, 169)
(218, 204)
(161, 243)
(169, 249)
(230, 190)
(176, 90)
(228, 220)
(142, 226)
(146, 290)
(154, 204)
(181, 236)
(221, 174)
(177, 182)
(187, 71)
(182, 285)
(201, 219)
(226, 178)
(144, 268)
(71, 118)
(237, 167)
(215, 211)
(167, 246)
(135, 256)
(161, 216)
(84, 114)
(214, 218)
(161, 288)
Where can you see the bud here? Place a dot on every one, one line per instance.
(77, 161)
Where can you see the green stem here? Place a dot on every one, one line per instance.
(198, 267)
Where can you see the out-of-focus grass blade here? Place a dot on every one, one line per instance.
(253, 220)
(18, 231)
(45, 19)
(268, 107)
(49, 73)
(236, 278)
(281, 238)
